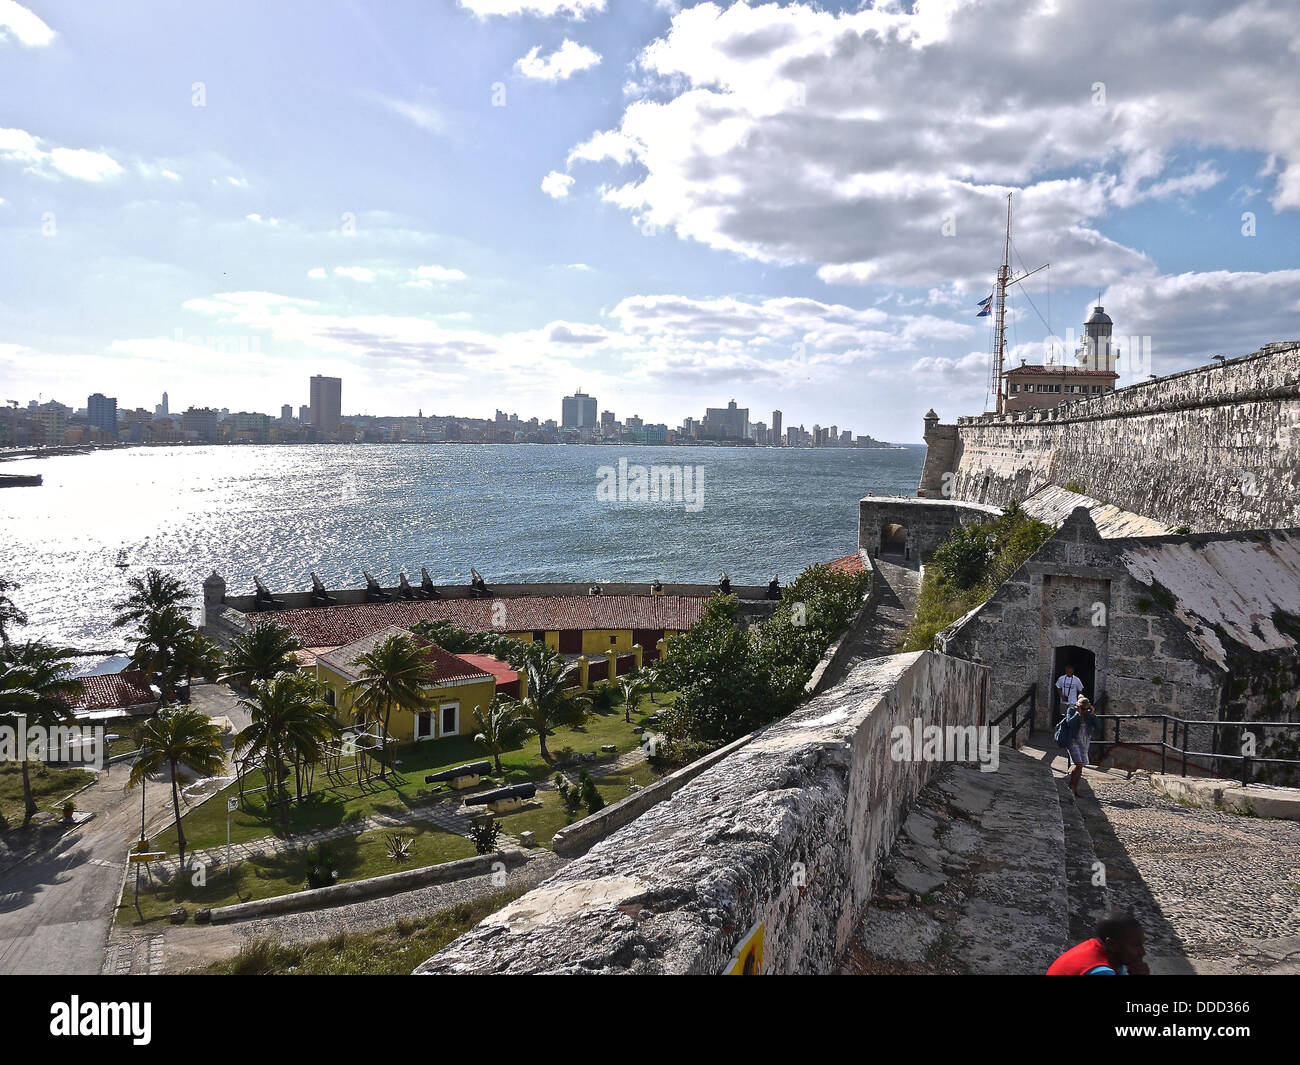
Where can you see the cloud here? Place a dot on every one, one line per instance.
(355, 273)
(563, 63)
(419, 113)
(571, 8)
(19, 146)
(878, 145)
(439, 273)
(24, 26)
(557, 185)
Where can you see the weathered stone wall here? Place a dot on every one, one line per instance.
(927, 521)
(788, 832)
(1216, 448)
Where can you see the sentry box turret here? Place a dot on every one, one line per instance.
(463, 776)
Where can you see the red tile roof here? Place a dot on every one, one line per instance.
(446, 666)
(112, 690)
(848, 564)
(331, 626)
(1037, 369)
(501, 670)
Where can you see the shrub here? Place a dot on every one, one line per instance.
(322, 871)
(591, 798)
(484, 832)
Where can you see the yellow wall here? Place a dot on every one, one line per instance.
(551, 639)
(401, 723)
(597, 642)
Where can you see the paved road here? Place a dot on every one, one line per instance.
(56, 908)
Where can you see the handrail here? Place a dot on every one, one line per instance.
(1017, 722)
(1165, 745)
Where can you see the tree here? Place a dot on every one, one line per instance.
(177, 736)
(10, 616)
(171, 648)
(549, 701)
(37, 685)
(153, 593)
(502, 727)
(632, 687)
(259, 654)
(290, 723)
(390, 675)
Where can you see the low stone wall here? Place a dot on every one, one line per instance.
(391, 883)
(578, 837)
(837, 652)
(787, 833)
(927, 521)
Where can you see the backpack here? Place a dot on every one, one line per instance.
(1064, 733)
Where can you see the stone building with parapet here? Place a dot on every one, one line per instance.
(1203, 626)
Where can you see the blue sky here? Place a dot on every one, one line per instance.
(461, 205)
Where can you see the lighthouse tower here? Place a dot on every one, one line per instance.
(1096, 352)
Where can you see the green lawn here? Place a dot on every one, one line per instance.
(546, 815)
(392, 951)
(356, 858)
(341, 802)
(49, 785)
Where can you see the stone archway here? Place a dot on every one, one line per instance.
(893, 539)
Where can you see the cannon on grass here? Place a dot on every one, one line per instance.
(463, 776)
(504, 800)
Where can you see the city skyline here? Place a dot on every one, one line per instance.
(532, 220)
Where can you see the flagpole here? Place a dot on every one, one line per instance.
(1000, 321)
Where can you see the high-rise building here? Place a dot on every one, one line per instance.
(286, 412)
(200, 423)
(101, 412)
(326, 403)
(162, 410)
(725, 423)
(578, 411)
(304, 414)
(776, 428)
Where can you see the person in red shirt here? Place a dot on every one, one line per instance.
(1118, 949)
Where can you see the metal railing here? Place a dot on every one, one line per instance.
(1169, 741)
(1018, 721)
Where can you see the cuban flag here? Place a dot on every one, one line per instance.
(986, 307)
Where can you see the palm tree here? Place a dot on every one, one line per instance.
(502, 727)
(171, 647)
(10, 615)
(259, 654)
(391, 675)
(632, 687)
(176, 736)
(39, 687)
(290, 720)
(151, 594)
(549, 702)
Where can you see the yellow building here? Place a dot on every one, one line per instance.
(457, 687)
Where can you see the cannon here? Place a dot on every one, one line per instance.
(264, 600)
(374, 593)
(463, 776)
(426, 585)
(774, 588)
(404, 588)
(319, 595)
(503, 799)
(478, 588)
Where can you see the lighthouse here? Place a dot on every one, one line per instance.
(1096, 351)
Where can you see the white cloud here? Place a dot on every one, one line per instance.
(571, 8)
(355, 273)
(23, 25)
(317, 273)
(419, 113)
(563, 63)
(557, 185)
(439, 273)
(857, 141)
(81, 163)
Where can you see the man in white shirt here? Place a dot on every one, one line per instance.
(1070, 688)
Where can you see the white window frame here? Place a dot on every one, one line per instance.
(433, 726)
(448, 706)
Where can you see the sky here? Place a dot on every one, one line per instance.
(464, 205)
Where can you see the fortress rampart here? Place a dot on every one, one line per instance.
(1215, 448)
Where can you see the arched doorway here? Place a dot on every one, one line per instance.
(893, 539)
(1085, 668)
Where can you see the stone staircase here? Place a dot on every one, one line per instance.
(992, 873)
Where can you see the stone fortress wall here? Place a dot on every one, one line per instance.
(1213, 448)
